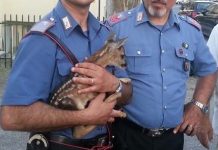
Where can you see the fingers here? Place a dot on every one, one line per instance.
(183, 126)
(113, 97)
(176, 130)
(194, 131)
(189, 130)
(204, 140)
(118, 113)
(84, 80)
(87, 69)
(87, 65)
(210, 135)
(186, 128)
(84, 71)
(100, 97)
(111, 120)
(87, 90)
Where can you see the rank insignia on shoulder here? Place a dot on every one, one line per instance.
(42, 26)
(66, 23)
(139, 16)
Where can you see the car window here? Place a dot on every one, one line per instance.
(202, 6)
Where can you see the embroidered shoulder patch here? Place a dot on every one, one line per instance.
(42, 26)
(116, 19)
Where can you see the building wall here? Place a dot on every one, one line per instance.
(37, 7)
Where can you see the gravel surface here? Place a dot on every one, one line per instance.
(17, 140)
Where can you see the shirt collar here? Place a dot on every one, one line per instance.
(69, 23)
(173, 19)
(94, 26)
(141, 17)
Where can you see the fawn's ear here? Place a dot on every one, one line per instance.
(121, 42)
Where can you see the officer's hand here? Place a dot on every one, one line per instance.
(205, 132)
(99, 79)
(100, 112)
(191, 120)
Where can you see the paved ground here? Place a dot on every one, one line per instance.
(17, 140)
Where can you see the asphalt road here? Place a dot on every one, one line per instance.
(17, 140)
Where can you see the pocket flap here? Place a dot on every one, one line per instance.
(137, 51)
(185, 53)
(63, 64)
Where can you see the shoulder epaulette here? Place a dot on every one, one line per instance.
(42, 26)
(116, 18)
(191, 21)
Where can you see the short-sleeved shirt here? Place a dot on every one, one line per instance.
(213, 46)
(40, 66)
(158, 63)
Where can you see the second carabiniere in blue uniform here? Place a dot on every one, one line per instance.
(158, 63)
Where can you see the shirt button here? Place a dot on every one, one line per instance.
(161, 33)
(163, 69)
(139, 52)
(162, 51)
(165, 107)
(165, 88)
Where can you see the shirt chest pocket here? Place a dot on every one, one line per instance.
(182, 53)
(185, 57)
(138, 59)
(63, 64)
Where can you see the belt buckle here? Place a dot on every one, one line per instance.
(38, 140)
(155, 132)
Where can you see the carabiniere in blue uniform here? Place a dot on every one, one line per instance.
(41, 66)
(158, 63)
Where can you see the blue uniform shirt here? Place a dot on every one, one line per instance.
(158, 60)
(40, 66)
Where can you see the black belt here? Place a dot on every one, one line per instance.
(146, 131)
(39, 141)
(100, 140)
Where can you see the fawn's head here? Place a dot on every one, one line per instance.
(111, 54)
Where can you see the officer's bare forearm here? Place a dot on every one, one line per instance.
(126, 94)
(204, 88)
(38, 117)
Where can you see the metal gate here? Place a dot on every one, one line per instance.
(12, 30)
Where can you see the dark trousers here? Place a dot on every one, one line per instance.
(129, 138)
